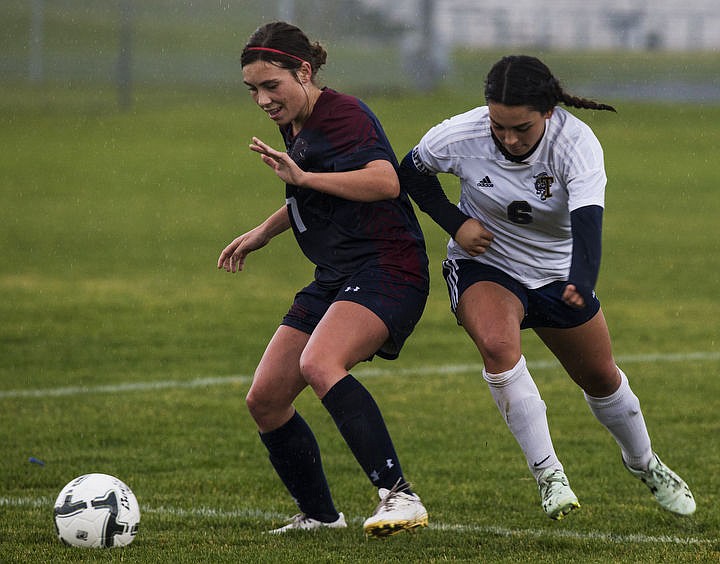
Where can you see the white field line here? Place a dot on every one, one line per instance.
(208, 381)
(211, 513)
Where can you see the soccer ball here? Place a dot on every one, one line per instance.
(97, 511)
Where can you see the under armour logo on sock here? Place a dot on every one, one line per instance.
(375, 475)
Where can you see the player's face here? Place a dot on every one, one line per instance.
(278, 92)
(518, 128)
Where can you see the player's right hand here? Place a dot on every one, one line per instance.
(473, 237)
(232, 258)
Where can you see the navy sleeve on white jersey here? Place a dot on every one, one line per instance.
(587, 249)
(427, 192)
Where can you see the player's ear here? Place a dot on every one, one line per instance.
(304, 73)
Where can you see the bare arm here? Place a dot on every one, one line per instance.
(232, 258)
(377, 180)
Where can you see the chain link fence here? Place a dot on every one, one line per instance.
(415, 45)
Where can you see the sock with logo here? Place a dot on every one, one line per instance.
(523, 410)
(361, 424)
(620, 413)
(295, 455)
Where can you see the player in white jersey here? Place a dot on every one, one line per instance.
(525, 253)
(524, 205)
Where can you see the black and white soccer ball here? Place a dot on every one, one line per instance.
(96, 511)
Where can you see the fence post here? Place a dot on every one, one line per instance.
(424, 51)
(124, 71)
(36, 70)
(286, 10)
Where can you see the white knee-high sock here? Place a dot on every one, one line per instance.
(621, 415)
(522, 408)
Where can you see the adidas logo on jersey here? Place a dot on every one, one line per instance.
(485, 183)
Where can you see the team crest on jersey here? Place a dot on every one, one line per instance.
(299, 150)
(543, 182)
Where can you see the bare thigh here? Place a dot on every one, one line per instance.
(277, 381)
(586, 354)
(347, 334)
(491, 314)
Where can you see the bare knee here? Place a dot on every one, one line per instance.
(260, 408)
(500, 353)
(600, 383)
(319, 371)
(267, 412)
(313, 368)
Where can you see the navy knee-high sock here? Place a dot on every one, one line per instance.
(295, 455)
(361, 424)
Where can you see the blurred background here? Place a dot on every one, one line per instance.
(654, 49)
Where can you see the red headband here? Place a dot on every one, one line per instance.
(271, 50)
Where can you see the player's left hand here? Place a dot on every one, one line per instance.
(572, 297)
(286, 168)
(473, 237)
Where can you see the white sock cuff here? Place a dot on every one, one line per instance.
(505, 378)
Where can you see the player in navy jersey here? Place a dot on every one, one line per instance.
(525, 253)
(344, 205)
(343, 134)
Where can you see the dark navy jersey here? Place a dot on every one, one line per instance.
(343, 237)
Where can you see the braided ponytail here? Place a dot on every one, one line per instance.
(520, 80)
(584, 103)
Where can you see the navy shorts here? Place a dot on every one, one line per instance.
(543, 306)
(398, 304)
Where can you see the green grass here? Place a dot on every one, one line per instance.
(110, 226)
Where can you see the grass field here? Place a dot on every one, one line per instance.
(123, 350)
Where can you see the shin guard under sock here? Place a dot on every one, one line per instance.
(360, 422)
(522, 408)
(620, 413)
(295, 455)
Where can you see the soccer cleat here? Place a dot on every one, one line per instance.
(302, 522)
(557, 498)
(397, 511)
(671, 492)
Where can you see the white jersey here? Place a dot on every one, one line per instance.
(526, 206)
